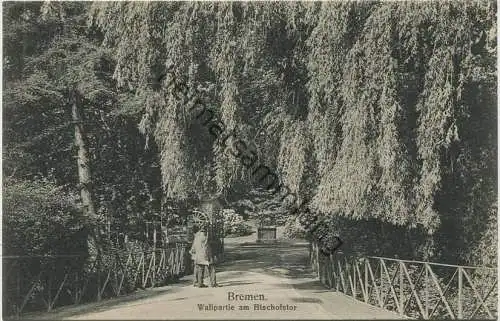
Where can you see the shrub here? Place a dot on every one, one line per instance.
(293, 229)
(234, 224)
(40, 218)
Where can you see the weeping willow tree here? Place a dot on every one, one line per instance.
(382, 113)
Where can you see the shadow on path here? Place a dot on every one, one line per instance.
(235, 283)
(289, 261)
(280, 259)
(107, 304)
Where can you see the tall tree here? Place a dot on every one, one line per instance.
(62, 74)
(372, 116)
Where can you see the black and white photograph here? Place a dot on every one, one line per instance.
(249, 160)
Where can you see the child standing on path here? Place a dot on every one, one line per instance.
(201, 253)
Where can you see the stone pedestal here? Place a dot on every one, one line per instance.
(266, 234)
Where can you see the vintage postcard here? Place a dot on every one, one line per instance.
(249, 160)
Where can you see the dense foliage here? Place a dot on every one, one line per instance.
(378, 112)
(234, 224)
(50, 55)
(382, 114)
(41, 218)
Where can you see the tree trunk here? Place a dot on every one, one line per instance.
(85, 179)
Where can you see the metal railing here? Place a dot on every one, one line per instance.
(414, 289)
(34, 283)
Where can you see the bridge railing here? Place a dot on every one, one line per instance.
(34, 283)
(414, 289)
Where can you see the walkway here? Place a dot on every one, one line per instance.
(278, 273)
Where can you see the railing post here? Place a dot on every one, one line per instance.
(143, 267)
(153, 277)
(401, 289)
(460, 284)
(18, 289)
(330, 276)
(49, 292)
(382, 294)
(337, 274)
(426, 292)
(354, 292)
(367, 299)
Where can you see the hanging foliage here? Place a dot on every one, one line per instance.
(371, 109)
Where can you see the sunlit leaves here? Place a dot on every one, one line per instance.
(367, 105)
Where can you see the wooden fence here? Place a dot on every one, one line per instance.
(414, 289)
(43, 282)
